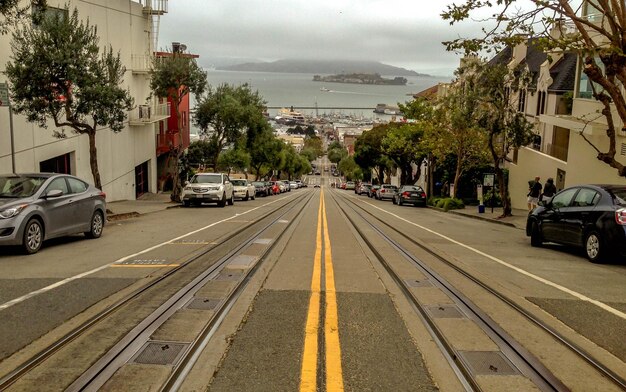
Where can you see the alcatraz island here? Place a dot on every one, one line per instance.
(361, 78)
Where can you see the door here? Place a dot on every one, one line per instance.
(554, 224)
(581, 213)
(84, 203)
(59, 211)
(141, 179)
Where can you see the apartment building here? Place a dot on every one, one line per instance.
(127, 160)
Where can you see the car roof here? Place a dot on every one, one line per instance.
(45, 174)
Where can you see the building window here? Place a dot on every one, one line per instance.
(521, 105)
(584, 84)
(60, 164)
(541, 102)
(38, 13)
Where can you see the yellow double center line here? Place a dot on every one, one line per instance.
(308, 375)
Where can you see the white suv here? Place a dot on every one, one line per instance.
(243, 189)
(208, 188)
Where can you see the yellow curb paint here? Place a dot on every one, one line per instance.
(334, 373)
(308, 373)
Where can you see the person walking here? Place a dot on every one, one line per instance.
(533, 194)
(549, 190)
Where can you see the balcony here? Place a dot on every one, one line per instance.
(154, 7)
(149, 114)
(141, 64)
(166, 141)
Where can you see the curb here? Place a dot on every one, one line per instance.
(122, 216)
(483, 219)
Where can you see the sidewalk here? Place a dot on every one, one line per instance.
(147, 203)
(518, 220)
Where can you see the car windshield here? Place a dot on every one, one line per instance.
(239, 182)
(412, 188)
(256, 183)
(206, 179)
(19, 186)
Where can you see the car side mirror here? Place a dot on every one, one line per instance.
(226, 182)
(187, 183)
(53, 193)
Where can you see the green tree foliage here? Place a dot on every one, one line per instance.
(403, 145)
(350, 169)
(265, 152)
(294, 164)
(175, 76)
(368, 152)
(298, 130)
(236, 158)
(227, 113)
(309, 154)
(336, 154)
(12, 12)
(199, 153)
(314, 143)
(563, 25)
(58, 73)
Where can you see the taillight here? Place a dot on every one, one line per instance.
(423, 195)
(406, 194)
(620, 216)
(104, 195)
(382, 191)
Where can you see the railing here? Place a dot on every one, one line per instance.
(154, 7)
(148, 114)
(166, 141)
(141, 63)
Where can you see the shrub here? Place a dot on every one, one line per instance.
(497, 201)
(446, 203)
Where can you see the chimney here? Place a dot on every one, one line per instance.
(175, 47)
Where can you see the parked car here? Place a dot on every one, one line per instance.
(372, 191)
(40, 206)
(386, 191)
(300, 184)
(592, 217)
(293, 185)
(410, 194)
(244, 189)
(364, 188)
(275, 187)
(350, 185)
(287, 186)
(208, 188)
(261, 188)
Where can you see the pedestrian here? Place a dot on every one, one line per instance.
(549, 190)
(534, 191)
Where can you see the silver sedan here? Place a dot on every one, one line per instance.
(40, 206)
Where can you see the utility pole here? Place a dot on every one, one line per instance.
(4, 101)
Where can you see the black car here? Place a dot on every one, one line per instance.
(410, 194)
(261, 187)
(592, 217)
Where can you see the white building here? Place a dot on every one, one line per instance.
(126, 160)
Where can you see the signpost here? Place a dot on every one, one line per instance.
(488, 181)
(4, 101)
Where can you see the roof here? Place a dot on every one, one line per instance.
(428, 93)
(563, 73)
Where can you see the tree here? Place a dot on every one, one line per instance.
(13, 12)
(227, 113)
(368, 152)
(403, 145)
(598, 40)
(58, 73)
(315, 144)
(199, 153)
(350, 169)
(174, 77)
(265, 152)
(337, 154)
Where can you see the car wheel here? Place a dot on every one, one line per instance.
(594, 247)
(186, 203)
(33, 236)
(97, 224)
(222, 203)
(253, 196)
(399, 201)
(246, 198)
(535, 235)
(232, 200)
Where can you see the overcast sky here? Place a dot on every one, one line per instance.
(404, 33)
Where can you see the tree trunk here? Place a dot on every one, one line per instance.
(457, 177)
(504, 193)
(93, 159)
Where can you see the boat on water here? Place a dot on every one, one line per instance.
(325, 89)
(289, 117)
(383, 108)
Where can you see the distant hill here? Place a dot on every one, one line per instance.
(322, 67)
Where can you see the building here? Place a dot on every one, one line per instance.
(127, 160)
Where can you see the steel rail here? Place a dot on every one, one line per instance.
(582, 353)
(101, 371)
(525, 362)
(10, 378)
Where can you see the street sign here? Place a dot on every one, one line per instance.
(488, 179)
(4, 94)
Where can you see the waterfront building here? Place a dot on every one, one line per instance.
(127, 160)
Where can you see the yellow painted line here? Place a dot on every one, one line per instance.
(308, 373)
(334, 373)
(143, 265)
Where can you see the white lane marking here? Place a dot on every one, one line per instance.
(93, 271)
(557, 286)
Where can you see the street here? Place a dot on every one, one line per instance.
(381, 342)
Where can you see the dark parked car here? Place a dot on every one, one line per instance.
(592, 217)
(410, 194)
(40, 206)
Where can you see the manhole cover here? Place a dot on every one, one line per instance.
(444, 311)
(228, 275)
(242, 261)
(488, 363)
(418, 283)
(203, 303)
(263, 241)
(160, 353)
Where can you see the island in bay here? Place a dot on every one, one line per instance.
(361, 78)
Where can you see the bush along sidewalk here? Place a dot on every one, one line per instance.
(446, 203)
